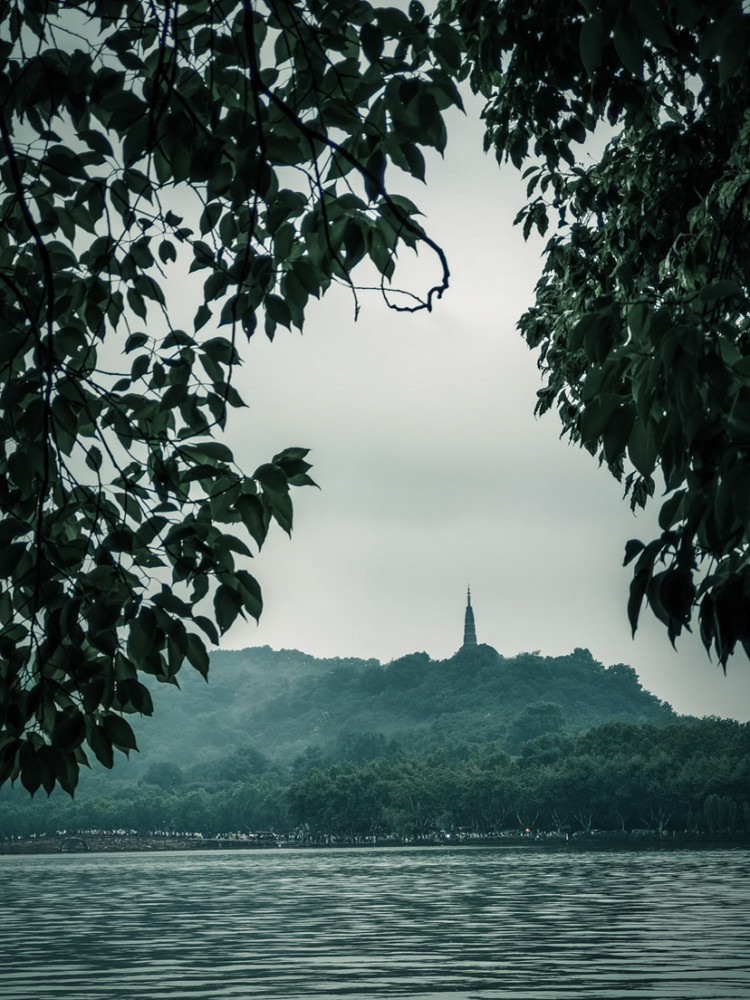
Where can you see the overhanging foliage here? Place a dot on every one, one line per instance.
(642, 313)
(245, 143)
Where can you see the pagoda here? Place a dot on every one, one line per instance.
(470, 632)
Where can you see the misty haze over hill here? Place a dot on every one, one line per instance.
(299, 711)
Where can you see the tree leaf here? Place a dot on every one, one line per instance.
(227, 605)
(629, 43)
(197, 655)
(593, 39)
(632, 548)
(119, 732)
(101, 744)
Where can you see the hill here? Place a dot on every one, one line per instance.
(346, 748)
(291, 710)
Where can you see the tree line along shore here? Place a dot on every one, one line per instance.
(686, 778)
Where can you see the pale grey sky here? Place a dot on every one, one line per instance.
(435, 474)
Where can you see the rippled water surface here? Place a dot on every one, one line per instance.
(428, 924)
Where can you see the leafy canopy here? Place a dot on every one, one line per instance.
(144, 143)
(642, 313)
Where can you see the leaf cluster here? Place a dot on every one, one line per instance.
(143, 145)
(642, 313)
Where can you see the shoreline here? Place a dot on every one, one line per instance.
(115, 843)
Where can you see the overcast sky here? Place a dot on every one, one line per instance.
(435, 474)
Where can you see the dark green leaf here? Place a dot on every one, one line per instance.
(629, 43)
(119, 732)
(593, 39)
(253, 516)
(632, 548)
(197, 655)
(101, 744)
(227, 605)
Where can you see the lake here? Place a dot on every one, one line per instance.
(422, 923)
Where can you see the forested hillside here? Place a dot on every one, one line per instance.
(299, 711)
(346, 749)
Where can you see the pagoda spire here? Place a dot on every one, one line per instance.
(470, 632)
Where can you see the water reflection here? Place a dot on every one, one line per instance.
(490, 924)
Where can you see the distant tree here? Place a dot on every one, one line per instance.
(313, 759)
(535, 720)
(720, 814)
(624, 675)
(373, 680)
(241, 764)
(642, 314)
(408, 671)
(144, 143)
(488, 795)
(359, 747)
(164, 775)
